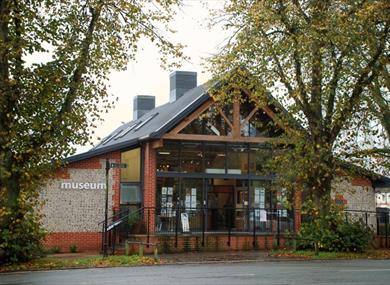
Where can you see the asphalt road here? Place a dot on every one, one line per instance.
(367, 272)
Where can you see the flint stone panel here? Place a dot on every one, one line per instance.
(76, 210)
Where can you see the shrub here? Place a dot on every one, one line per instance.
(73, 248)
(54, 249)
(333, 233)
(133, 219)
(22, 239)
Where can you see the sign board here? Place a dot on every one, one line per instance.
(118, 165)
(185, 222)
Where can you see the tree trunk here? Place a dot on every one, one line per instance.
(11, 186)
(320, 178)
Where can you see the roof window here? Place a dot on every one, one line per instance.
(106, 140)
(128, 129)
(144, 122)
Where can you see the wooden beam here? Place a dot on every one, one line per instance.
(188, 120)
(251, 114)
(236, 119)
(191, 137)
(274, 118)
(225, 118)
(157, 143)
(269, 112)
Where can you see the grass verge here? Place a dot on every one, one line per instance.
(307, 254)
(86, 262)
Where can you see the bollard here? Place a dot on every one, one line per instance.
(126, 248)
(155, 253)
(141, 250)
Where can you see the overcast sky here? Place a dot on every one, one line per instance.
(145, 76)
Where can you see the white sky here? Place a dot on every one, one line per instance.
(145, 76)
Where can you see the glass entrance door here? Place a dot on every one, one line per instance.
(220, 202)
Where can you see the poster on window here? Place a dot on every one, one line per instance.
(281, 202)
(185, 222)
(187, 202)
(166, 201)
(193, 198)
(164, 190)
(259, 197)
(263, 215)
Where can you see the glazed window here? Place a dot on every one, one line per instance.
(130, 193)
(168, 158)
(259, 160)
(237, 159)
(191, 158)
(133, 170)
(215, 158)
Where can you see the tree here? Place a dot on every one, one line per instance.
(375, 116)
(320, 59)
(49, 106)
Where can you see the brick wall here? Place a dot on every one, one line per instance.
(149, 182)
(212, 242)
(85, 241)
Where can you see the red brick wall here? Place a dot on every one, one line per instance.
(85, 241)
(358, 181)
(149, 182)
(167, 244)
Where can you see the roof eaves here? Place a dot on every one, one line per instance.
(381, 182)
(103, 150)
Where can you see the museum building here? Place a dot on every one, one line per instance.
(196, 176)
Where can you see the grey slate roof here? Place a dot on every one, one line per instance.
(151, 125)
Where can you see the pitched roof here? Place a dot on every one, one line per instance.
(160, 120)
(151, 125)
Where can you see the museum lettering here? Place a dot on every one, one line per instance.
(82, 185)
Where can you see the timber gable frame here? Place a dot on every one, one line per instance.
(235, 125)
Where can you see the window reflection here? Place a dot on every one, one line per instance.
(211, 122)
(168, 158)
(259, 160)
(237, 159)
(191, 157)
(215, 155)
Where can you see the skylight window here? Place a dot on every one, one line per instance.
(111, 137)
(128, 129)
(144, 122)
(117, 134)
(107, 138)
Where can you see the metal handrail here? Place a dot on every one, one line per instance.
(115, 215)
(111, 230)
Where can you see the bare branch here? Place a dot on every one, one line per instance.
(300, 10)
(368, 74)
(333, 85)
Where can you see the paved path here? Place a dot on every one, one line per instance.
(367, 272)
